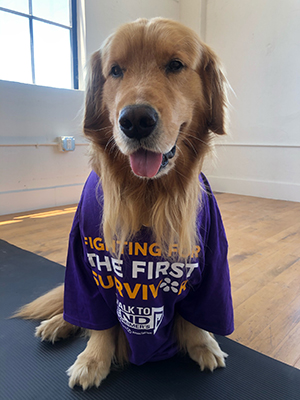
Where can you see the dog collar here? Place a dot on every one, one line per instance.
(167, 157)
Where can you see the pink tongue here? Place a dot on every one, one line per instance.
(145, 163)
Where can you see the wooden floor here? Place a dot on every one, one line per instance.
(264, 256)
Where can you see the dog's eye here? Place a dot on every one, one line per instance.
(116, 71)
(174, 66)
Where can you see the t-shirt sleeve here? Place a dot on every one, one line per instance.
(83, 301)
(209, 303)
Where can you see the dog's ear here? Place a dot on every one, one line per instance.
(95, 117)
(215, 91)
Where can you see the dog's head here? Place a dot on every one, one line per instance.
(155, 93)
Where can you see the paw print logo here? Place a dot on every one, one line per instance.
(168, 285)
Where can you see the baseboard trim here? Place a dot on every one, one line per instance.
(15, 201)
(267, 189)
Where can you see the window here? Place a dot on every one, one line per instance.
(38, 42)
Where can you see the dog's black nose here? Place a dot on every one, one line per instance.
(138, 121)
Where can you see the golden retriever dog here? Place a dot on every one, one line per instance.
(147, 271)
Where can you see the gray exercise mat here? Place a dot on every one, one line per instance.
(31, 370)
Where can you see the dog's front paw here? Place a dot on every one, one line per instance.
(54, 329)
(87, 372)
(208, 355)
(208, 359)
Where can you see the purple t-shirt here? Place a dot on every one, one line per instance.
(142, 291)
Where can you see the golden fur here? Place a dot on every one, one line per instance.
(191, 105)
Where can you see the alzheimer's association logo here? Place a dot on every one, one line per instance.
(139, 320)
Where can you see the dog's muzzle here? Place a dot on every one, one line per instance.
(137, 122)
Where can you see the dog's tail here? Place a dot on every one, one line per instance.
(44, 307)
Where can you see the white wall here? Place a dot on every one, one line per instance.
(103, 17)
(259, 43)
(31, 176)
(193, 15)
(36, 176)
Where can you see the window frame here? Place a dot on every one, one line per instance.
(73, 37)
